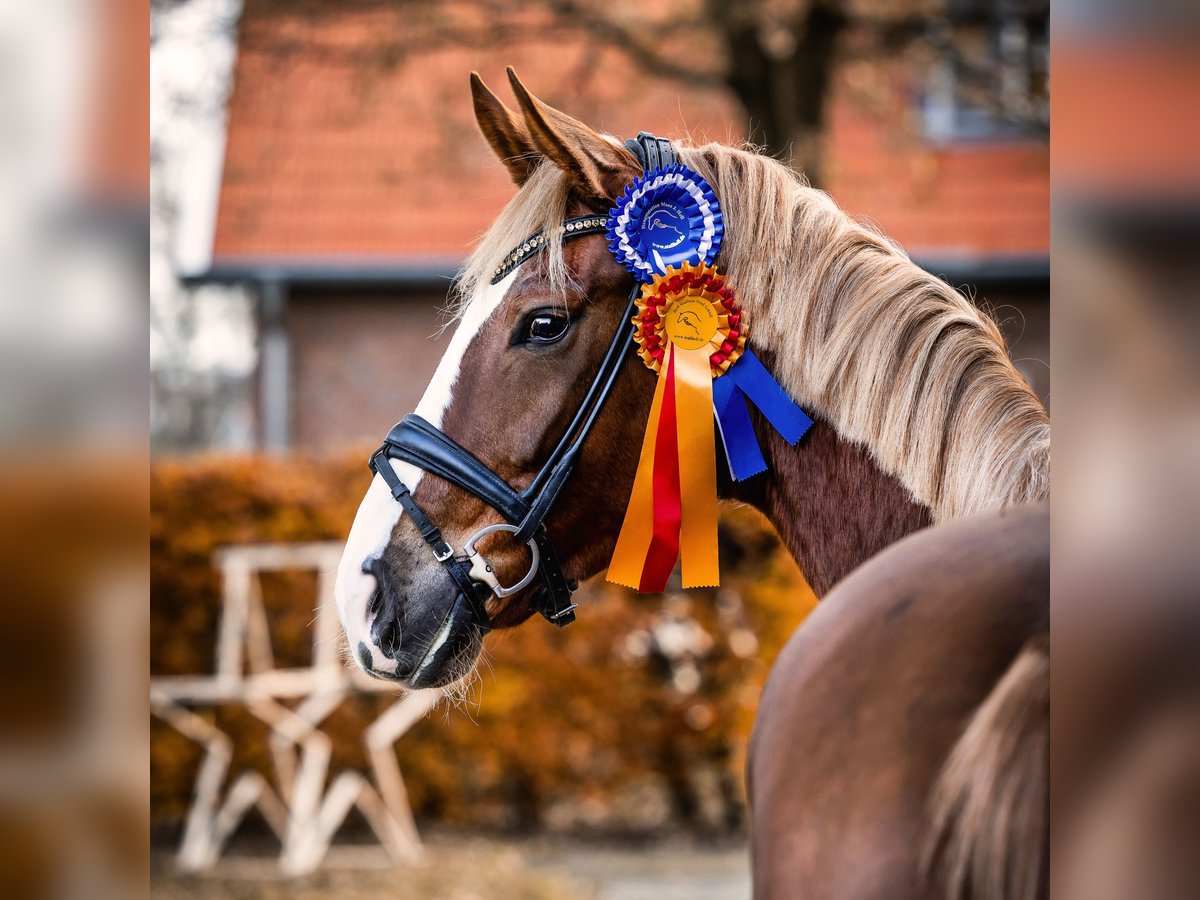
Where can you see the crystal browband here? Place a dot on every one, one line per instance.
(577, 226)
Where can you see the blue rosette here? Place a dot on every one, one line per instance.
(663, 219)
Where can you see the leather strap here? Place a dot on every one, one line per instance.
(576, 226)
(543, 490)
(415, 441)
(457, 567)
(652, 152)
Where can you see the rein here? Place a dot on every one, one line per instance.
(415, 441)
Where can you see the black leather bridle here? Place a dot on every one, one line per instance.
(414, 440)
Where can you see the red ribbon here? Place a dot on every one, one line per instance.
(668, 509)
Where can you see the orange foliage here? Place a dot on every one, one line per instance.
(605, 723)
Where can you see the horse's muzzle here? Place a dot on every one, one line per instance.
(451, 651)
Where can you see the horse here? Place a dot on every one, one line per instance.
(903, 732)
(915, 675)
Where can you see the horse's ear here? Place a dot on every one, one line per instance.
(599, 168)
(503, 130)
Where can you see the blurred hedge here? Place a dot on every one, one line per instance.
(611, 723)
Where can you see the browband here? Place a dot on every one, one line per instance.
(576, 226)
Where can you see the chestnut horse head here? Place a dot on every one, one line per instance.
(519, 364)
(920, 415)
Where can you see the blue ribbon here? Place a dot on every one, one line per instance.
(749, 379)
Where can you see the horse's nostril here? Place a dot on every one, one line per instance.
(383, 609)
(385, 632)
(364, 656)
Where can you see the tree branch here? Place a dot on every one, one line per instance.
(634, 45)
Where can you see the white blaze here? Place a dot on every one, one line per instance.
(379, 512)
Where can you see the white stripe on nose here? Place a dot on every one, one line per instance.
(379, 512)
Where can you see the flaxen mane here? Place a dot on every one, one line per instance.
(892, 356)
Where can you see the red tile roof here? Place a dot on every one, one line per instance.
(334, 149)
(986, 198)
(1153, 147)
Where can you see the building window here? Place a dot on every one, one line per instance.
(989, 79)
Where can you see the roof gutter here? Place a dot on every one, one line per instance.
(993, 271)
(408, 276)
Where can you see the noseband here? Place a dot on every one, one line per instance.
(415, 441)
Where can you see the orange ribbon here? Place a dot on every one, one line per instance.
(688, 329)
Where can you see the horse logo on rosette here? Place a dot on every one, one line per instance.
(691, 322)
(688, 320)
(665, 226)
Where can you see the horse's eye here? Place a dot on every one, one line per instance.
(547, 327)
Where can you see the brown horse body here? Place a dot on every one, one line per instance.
(873, 694)
(867, 702)
(920, 419)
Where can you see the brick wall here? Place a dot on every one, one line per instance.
(971, 197)
(358, 363)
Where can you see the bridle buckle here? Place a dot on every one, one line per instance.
(563, 612)
(482, 570)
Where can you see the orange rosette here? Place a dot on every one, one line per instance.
(691, 307)
(689, 330)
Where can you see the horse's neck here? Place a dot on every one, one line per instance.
(832, 505)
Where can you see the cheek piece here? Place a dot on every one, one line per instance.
(414, 440)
